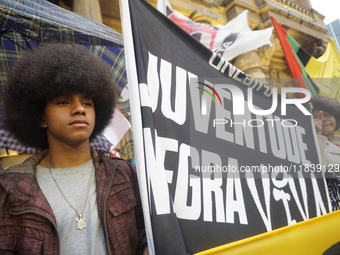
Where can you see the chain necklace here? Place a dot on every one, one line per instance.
(80, 220)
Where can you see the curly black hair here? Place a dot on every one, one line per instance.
(50, 71)
(329, 105)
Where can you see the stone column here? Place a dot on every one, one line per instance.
(250, 63)
(88, 8)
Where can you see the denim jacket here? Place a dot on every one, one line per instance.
(27, 222)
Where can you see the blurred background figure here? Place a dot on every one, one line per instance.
(326, 114)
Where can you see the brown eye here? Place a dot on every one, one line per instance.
(63, 102)
(88, 102)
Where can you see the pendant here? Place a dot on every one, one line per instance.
(80, 223)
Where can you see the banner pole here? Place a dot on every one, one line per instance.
(136, 118)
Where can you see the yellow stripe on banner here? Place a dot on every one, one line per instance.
(311, 237)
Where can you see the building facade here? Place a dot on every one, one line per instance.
(334, 31)
(297, 16)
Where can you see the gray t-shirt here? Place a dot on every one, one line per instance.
(74, 184)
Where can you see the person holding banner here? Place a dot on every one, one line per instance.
(68, 198)
(326, 114)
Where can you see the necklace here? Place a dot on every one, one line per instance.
(80, 220)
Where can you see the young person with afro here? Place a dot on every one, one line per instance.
(68, 198)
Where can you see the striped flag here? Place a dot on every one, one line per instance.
(296, 67)
(325, 70)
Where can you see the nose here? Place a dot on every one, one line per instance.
(78, 108)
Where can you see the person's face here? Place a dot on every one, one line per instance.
(69, 120)
(328, 122)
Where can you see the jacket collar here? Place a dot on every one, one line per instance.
(29, 165)
(24, 193)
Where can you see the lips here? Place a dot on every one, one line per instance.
(327, 125)
(79, 123)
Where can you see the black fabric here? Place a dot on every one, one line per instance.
(211, 217)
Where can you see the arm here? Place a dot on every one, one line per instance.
(7, 233)
(142, 243)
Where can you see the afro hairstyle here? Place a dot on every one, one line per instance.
(329, 105)
(48, 72)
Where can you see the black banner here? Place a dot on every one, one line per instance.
(226, 157)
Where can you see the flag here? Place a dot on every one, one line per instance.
(162, 5)
(228, 41)
(302, 238)
(321, 75)
(117, 128)
(198, 143)
(325, 70)
(326, 66)
(296, 67)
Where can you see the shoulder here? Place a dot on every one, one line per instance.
(118, 165)
(322, 140)
(20, 179)
(21, 175)
(113, 160)
(123, 172)
(28, 166)
(337, 138)
(2, 170)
